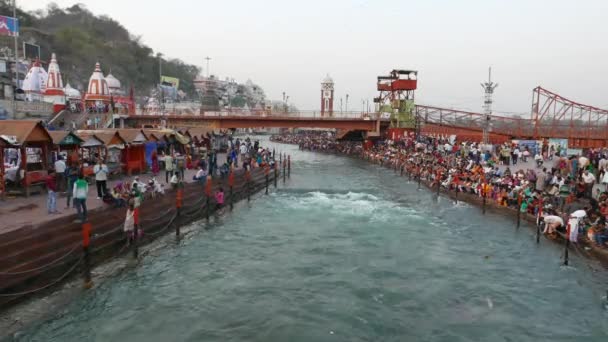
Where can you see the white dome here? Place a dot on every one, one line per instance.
(328, 79)
(71, 92)
(113, 82)
(35, 80)
(98, 87)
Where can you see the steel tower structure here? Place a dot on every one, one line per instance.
(488, 88)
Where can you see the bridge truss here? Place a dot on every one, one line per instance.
(554, 115)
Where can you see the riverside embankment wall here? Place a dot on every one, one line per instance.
(34, 259)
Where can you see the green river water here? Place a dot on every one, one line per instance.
(344, 251)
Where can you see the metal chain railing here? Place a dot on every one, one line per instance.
(162, 230)
(42, 267)
(157, 218)
(188, 212)
(70, 270)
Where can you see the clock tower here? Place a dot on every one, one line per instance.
(327, 96)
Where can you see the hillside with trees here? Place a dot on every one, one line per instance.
(81, 38)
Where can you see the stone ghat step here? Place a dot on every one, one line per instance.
(64, 254)
(58, 229)
(107, 236)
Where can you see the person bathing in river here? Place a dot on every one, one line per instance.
(552, 223)
(219, 199)
(131, 222)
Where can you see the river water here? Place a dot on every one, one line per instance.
(344, 251)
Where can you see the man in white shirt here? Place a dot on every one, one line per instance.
(201, 175)
(60, 174)
(243, 150)
(515, 155)
(589, 180)
(168, 167)
(101, 177)
(552, 222)
(574, 222)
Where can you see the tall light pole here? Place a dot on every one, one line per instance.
(488, 88)
(346, 103)
(16, 47)
(160, 68)
(207, 59)
(341, 106)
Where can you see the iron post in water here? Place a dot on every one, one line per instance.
(566, 251)
(208, 195)
(86, 240)
(518, 210)
(231, 198)
(538, 232)
(266, 171)
(438, 184)
(284, 173)
(289, 166)
(178, 205)
(247, 177)
(419, 179)
(135, 245)
(401, 167)
(273, 153)
(207, 208)
(484, 194)
(231, 184)
(276, 174)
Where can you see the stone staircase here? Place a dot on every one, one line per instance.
(64, 119)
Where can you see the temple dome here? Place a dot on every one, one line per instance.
(54, 83)
(71, 92)
(35, 79)
(98, 86)
(113, 82)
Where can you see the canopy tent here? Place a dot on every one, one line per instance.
(33, 142)
(134, 157)
(109, 144)
(176, 141)
(66, 141)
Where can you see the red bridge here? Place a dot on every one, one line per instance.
(552, 116)
(227, 120)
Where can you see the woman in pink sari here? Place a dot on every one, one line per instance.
(155, 167)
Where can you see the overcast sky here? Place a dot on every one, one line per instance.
(290, 46)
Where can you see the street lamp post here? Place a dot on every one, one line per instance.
(346, 103)
(286, 105)
(160, 68)
(16, 58)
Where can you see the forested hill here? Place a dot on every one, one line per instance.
(80, 38)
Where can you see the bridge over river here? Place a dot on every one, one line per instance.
(552, 116)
